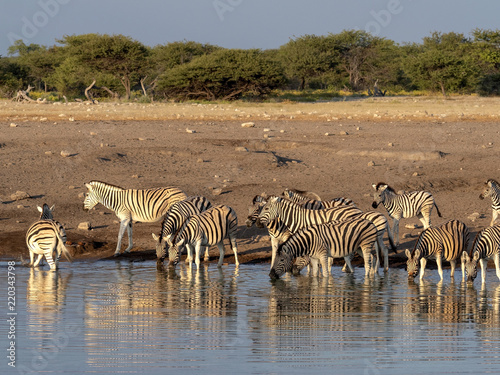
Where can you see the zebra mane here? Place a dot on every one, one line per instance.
(304, 193)
(389, 188)
(101, 183)
(493, 182)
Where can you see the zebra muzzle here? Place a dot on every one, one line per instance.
(374, 204)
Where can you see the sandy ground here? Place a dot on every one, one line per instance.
(448, 147)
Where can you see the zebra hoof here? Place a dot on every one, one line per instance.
(116, 255)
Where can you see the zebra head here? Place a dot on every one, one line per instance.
(282, 264)
(175, 251)
(300, 264)
(470, 265)
(46, 212)
(254, 211)
(413, 263)
(161, 247)
(488, 189)
(91, 199)
(379, 194)
(269, 210)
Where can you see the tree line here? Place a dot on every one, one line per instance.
(117, 66)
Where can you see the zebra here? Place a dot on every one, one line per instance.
(315, 204)
(416, 203)
(149, 205)
(278, 231)
(208, 228)
(486, 245)
(174, 219)
(446, 241)
(46, 236)
(492, 190)
(329, 240)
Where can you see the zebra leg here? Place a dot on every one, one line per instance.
(453, 265)
(32, 256)
(439, 262)
(274, 249)
(348, 263)
(50, 261)
(220, 245)
(123, 225)
(206, 257)
(324, 266)
(425, 219)
(130, 242)
(232, 240)
(367, 252)
(423, 263)
(385, 251)
(462, 265)
(314, 267)
(197, 250)
(496, 259)
(484, 265)
(38, 259)
(395, 231)
(190, 251)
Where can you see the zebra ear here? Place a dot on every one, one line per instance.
(88, 186)
(476, 256)
(408, 253)
(39, 208)
(374, 187)
(155, 237)
(52, 208)
(181, 242)
(417, 254)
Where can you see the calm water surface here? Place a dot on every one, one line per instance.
(128, 317)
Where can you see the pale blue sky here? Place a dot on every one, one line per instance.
(239, 23)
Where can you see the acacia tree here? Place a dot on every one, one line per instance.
(306, 57)
(224, 74)
(115, 55)
(444, 62)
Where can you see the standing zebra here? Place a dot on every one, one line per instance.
(208, 228)
(446, 241)
(173, 221)
(486, 246)
(129, 205)
(315, 204)
(46, 236)
(416, 203)
(492, 190)
(334, 239)
(278, 231)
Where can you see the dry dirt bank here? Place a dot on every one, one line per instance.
(449, 147)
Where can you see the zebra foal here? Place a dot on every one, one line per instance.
(446, 241)
(329, 240)
(492, 190)
(46, 236)
(486, 246)
(149, 205)
(208, 228)
(173, 221)
(298, 197)
(416, 203)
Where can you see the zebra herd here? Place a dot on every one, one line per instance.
(304, 230)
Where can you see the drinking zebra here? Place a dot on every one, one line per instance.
(492, 190)
(486, 246)
(208, 228)
(296, 196)
(334, 239)
(278, 231)
(417, 203)
(446, 241)
(44, 237)
(149, 205)
(173, 221)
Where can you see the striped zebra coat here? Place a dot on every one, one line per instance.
(444, 242)
(278, 231)
(173, 221)
(486, 246)
(149, 205)
(417, 203)
(46, 236)
(334, 239)
(492, 190)
(315, 204)
(208, 228)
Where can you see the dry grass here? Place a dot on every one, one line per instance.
(378, 109)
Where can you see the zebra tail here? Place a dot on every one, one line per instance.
(437, 209)
(65, 251)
